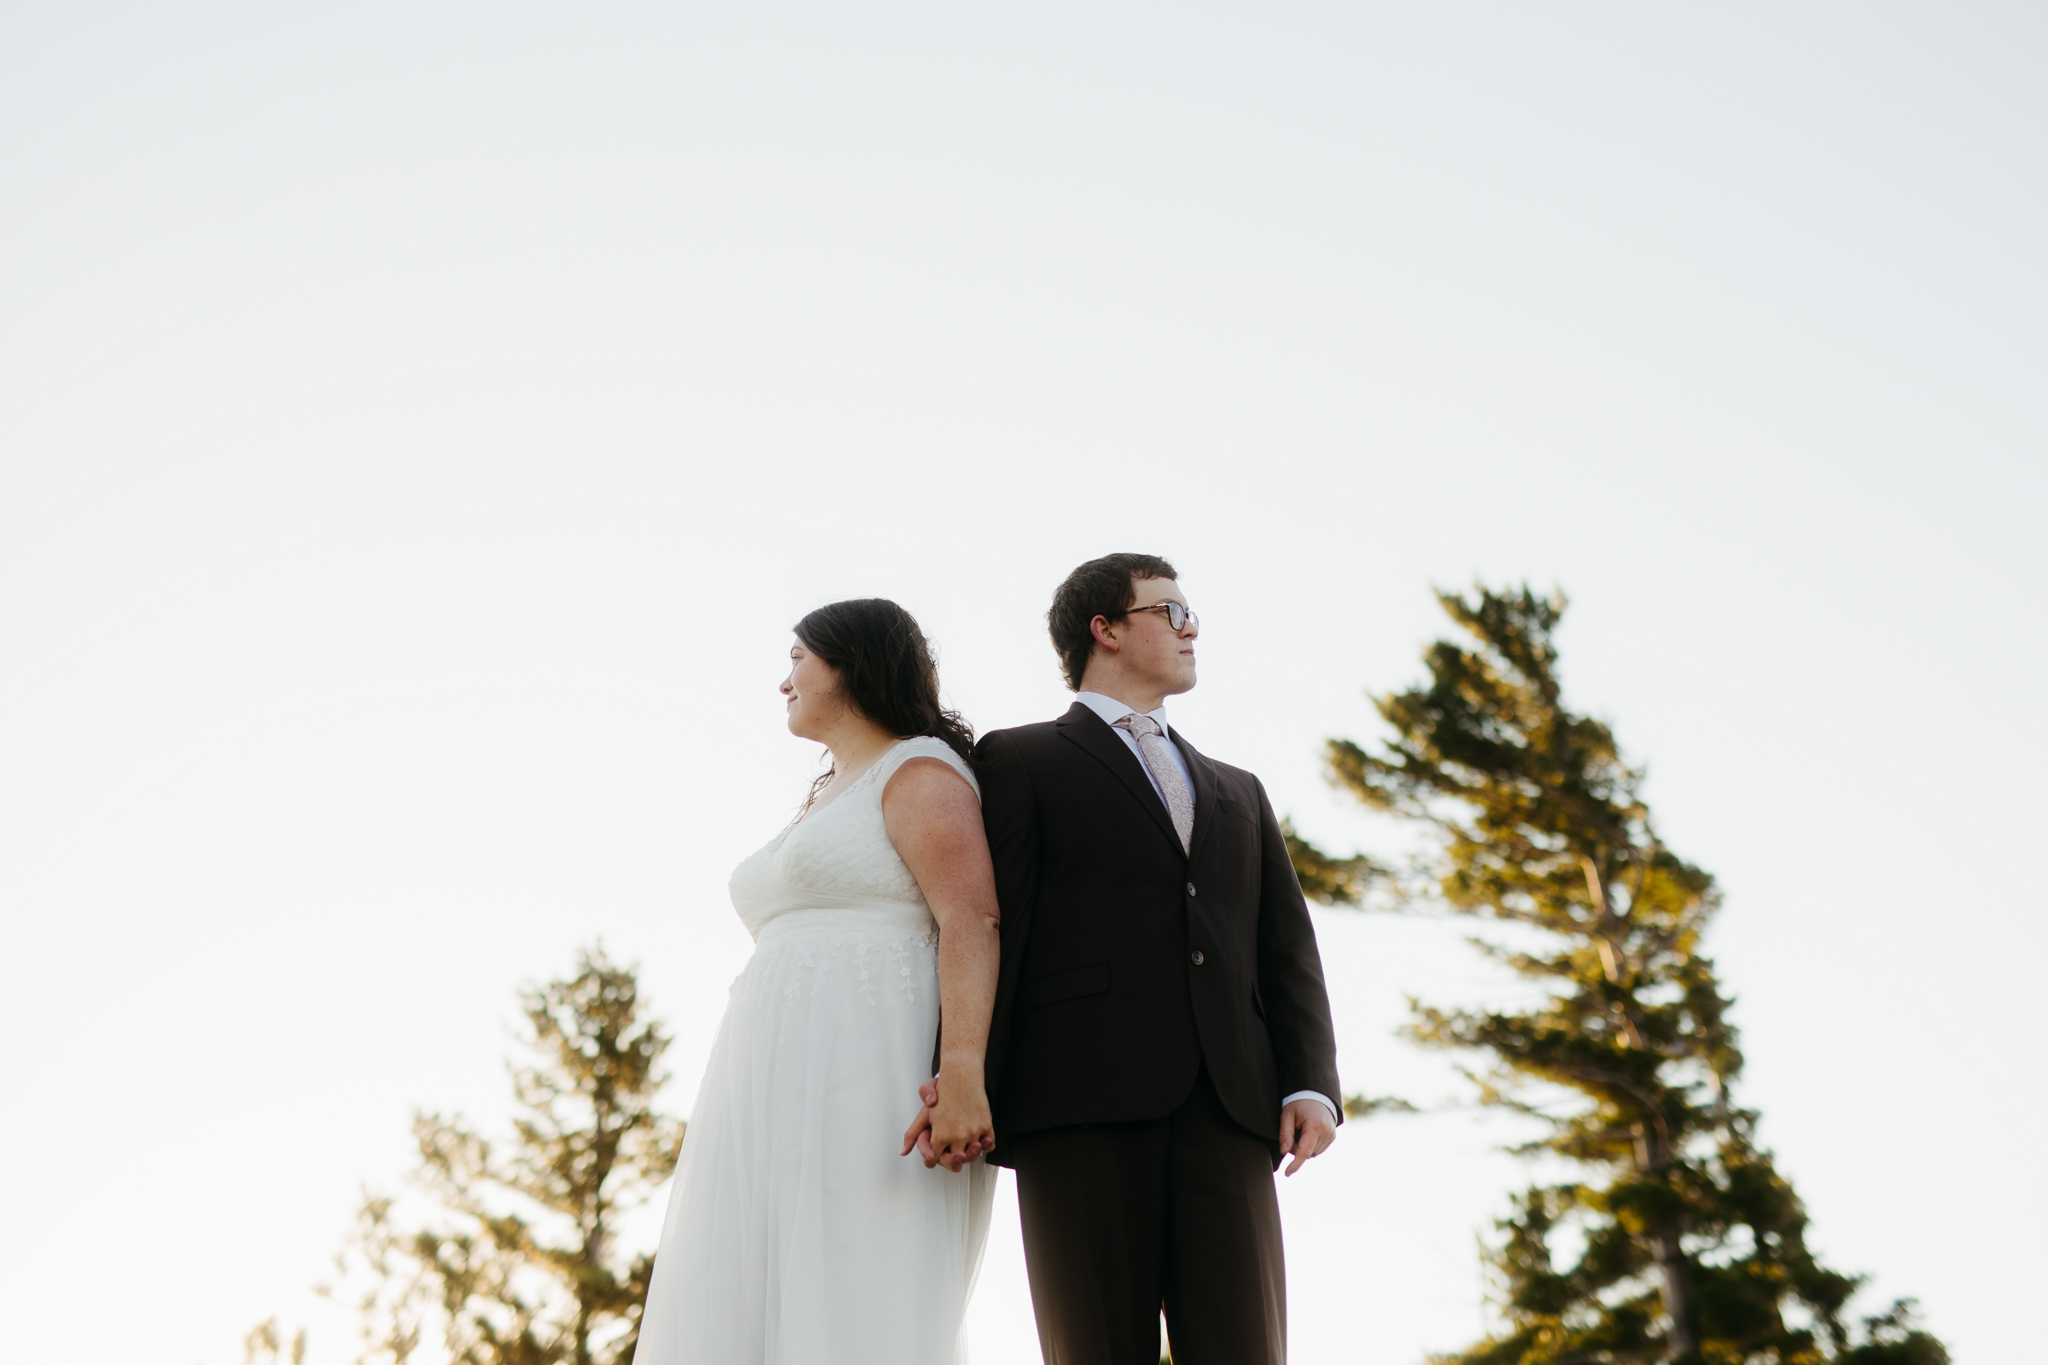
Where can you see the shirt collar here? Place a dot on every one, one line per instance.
(1111, 710)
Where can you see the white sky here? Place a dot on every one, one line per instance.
(419, 427)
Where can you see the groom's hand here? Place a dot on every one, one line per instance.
(919, 1136)
(1305, 1132)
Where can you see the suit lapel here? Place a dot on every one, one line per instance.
(1203, 775)
(1093, 734)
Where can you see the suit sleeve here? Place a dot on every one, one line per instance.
(1009, 814)
(1291, 972)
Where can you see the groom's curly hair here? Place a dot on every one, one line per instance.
(886, 666)
(1101, 587)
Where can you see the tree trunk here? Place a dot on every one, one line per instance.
(1678, 1305)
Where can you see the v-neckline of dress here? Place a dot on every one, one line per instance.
(848, 789)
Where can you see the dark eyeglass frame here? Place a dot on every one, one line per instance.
(1188, 622)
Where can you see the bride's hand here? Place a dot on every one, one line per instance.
(919, 1133)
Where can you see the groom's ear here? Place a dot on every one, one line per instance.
(1104, 632)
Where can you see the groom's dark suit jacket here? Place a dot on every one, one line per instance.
(1127, 965)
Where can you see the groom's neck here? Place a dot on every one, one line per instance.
(1134, 693)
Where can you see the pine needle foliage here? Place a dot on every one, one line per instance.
(520, 1265)
(1678, 1240)
(1329, 880)
(265, 1344)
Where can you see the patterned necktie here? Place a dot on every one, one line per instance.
(1180, 802)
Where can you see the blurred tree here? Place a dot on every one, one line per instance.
(1328, 880)
(1679, 1241)
(264, 1344)
(521, 1266)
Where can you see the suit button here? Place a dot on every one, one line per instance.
(1191, 888)
(1196, 957)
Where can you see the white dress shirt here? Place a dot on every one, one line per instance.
(1111, 710)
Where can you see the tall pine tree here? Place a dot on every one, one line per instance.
(520, 1265)
(1676, 1239)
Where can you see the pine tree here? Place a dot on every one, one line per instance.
(1331, 881)
(264, 1344)
(521, 1265)
(1678, 1240)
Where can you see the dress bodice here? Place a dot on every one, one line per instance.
(838, 857)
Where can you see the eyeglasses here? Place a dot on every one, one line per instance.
(1178, 618)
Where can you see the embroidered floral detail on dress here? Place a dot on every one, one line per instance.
(860, 970)
(801, 967)
(812, 962)
(905, 982)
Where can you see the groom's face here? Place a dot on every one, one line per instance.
(1153, 649)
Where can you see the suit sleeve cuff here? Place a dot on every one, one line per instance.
(1319, 1098)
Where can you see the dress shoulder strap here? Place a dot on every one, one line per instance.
(924, 746)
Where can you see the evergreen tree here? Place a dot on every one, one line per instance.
(1332, 881)
(264, 1344)
(521, 1267)
(1678, 1240)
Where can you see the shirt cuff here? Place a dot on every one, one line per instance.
(1318, 1097)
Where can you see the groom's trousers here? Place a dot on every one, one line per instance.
(1124, 1219)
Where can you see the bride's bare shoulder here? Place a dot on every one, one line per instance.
(926, 768)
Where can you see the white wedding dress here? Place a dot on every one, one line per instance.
(795, 1234)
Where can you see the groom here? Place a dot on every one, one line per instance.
(1161, 1037)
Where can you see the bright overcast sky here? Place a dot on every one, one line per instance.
(420, 425)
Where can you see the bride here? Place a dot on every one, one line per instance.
(798, 1231)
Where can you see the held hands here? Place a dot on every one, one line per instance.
(1305, 1132)
(953, 1133)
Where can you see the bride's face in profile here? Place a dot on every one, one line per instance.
(812, 696)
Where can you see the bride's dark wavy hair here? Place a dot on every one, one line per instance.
(886, 666)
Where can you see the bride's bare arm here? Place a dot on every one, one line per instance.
(935, 823)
